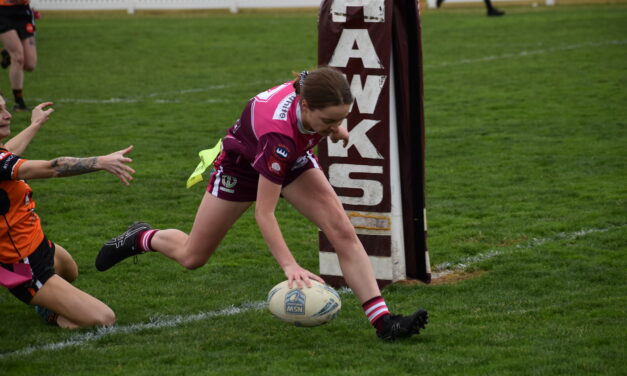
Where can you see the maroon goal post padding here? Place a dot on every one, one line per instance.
(379, 175)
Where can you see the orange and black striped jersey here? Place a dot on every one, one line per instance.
(10, 3)
(20, 226)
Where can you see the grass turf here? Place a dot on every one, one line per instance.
(526, 137)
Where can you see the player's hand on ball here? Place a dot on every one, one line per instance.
(301, 276)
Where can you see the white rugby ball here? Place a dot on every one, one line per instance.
(309, 306)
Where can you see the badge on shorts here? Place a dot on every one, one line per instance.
(228, 182)
(282, 151)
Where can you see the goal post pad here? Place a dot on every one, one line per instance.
(379, 175)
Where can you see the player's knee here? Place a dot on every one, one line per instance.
(193, 258)
(71, 275)
(17, 59)
(29, 67)
(105, 317)
(72, 272)
(192, 263)
(339, 226)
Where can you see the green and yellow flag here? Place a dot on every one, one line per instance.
(207, 157)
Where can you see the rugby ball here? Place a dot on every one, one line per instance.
(309, 306)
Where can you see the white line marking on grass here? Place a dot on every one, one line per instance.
(154, 323)
(440, 270)
(447, 268)
(528, 53)
(127, 100)
(152, 97)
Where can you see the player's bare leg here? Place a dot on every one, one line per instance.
(312, 195)
(213, 220)
(73, 308)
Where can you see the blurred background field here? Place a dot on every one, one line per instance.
(526, 194)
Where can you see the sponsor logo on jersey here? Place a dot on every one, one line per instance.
(284, 107)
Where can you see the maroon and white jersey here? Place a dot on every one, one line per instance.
(270, 134)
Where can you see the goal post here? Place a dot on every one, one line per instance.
(379, 175)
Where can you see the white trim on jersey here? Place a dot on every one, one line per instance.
(301, 126)
(252, 118)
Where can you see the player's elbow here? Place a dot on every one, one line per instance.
(38, 170)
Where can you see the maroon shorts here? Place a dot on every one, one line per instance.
(234, 179)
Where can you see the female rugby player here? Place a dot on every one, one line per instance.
(266, 154)
(47, 269)
(17, 34)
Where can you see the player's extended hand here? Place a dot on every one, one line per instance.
(116, 163)
(39, 116)
(302, 276)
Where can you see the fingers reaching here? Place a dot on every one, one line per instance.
(126, 151)
(39, 115)
(117, 164)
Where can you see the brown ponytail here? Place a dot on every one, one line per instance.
(323, 87)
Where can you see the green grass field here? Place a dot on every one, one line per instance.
(526, 183)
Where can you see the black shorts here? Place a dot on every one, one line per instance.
(19, 18)
(42, 264)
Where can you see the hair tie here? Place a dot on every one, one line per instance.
(301, 81)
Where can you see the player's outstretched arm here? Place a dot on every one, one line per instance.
(39, 116)
(114, 163)
(267, 197)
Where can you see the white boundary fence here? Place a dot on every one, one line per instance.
(233, 5)
(432, 3)
(132, 5)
